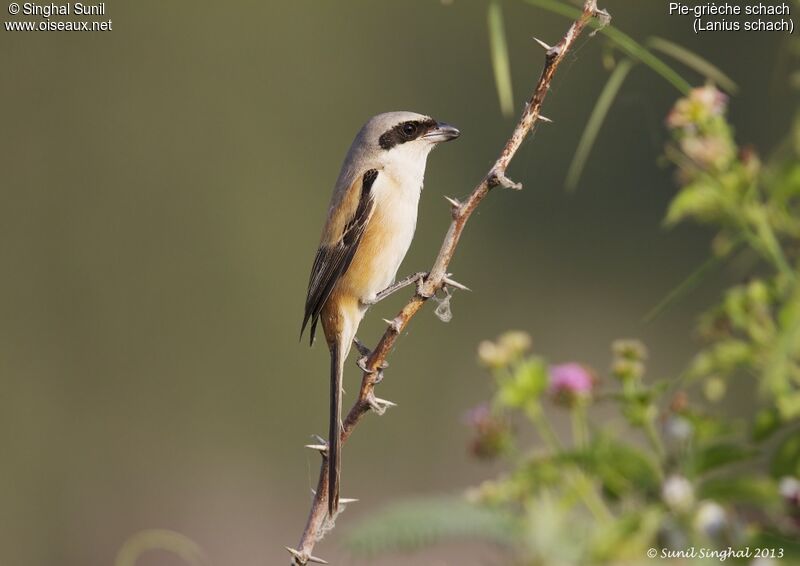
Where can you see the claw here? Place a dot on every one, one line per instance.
(361, 347)
(421, 287)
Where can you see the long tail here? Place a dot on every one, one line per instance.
(334, 430)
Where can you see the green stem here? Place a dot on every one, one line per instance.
(654, 438)
(580, 431)
(546, 432)
(772, 246)
(587, 492)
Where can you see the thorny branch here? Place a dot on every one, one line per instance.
(318, 521)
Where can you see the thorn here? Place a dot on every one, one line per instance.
(603, 17)
(320, 444)
(317, 560)
(508, 183)
(455, 284)
(542, 43)
(296, 554)
(292, 551)
(379, 405)
(345, 500)
(454, 202)
(394, 323)
(545, 119)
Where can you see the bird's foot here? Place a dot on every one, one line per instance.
(365, 354)
(402, 284)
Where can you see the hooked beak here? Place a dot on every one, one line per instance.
(442, 133)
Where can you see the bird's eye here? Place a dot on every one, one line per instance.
(409, 129)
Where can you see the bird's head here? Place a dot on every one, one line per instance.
(402, 136)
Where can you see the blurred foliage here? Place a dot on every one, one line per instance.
(397, 528)
(160, 540)
(500, 59)
(670, 468)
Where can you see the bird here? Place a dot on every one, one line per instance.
(369, 227)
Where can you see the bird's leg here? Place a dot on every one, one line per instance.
(402, 284)
(365, 354)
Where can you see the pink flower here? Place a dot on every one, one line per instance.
(697, 108)
(570, 382)
(492, 433)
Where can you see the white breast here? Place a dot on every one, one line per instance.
(396, 205)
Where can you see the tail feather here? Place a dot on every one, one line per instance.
(334, 431)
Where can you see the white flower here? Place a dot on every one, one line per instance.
(678, 493)
(710, 518)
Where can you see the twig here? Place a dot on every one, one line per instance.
(318, 521)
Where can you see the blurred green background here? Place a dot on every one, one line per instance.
(164, 185)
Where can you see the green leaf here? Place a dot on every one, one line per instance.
(500, 59)
(622, 468)
(719, 455)
(525, 386)
(625, 42)
(627, 538)
(723, 357)
(619, 467)
(759, 491)
(766, 422)
(698, 200)
(694, 61)
(410, 525)
(789, 405)
(786, 461)
(598, 116)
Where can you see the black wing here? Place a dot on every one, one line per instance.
(331, 262)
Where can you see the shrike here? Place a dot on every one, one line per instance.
(370, 224)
